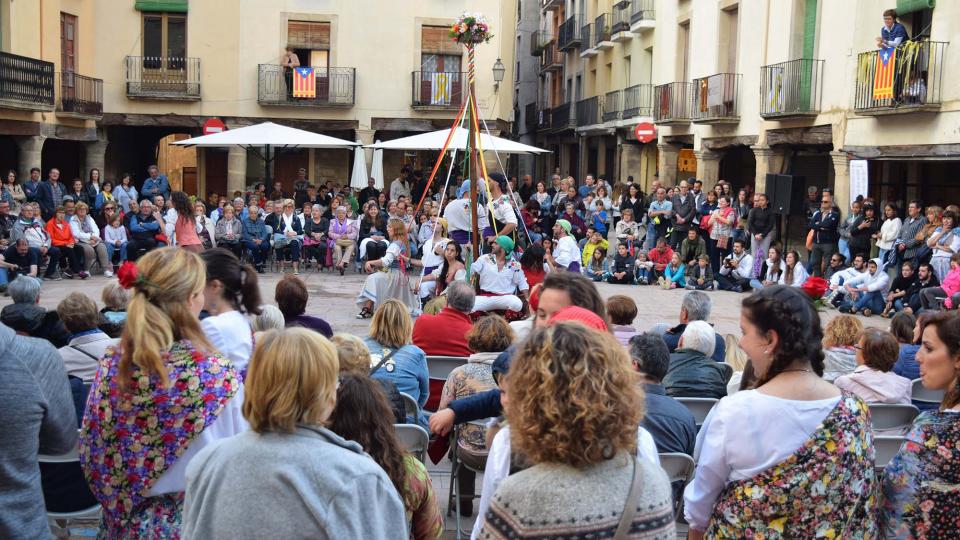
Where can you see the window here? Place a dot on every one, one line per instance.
(164, 40)
(729, 19)
(440, 67)
(683, 51)
(310, 42)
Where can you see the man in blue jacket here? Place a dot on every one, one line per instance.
(144, 228)
(50, 194)
(256, 238)
(30, 186)
(825, 234)
(155, 184)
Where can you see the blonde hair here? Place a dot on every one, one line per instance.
(291, 379)
(353, 354)
(81, 206)
(842, 331)
(735, 356)
(574, 397)
(158, 314)
(391, 324)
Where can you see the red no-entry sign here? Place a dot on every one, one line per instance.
(213, 125)
(645, 132)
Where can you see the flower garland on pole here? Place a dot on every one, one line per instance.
(469, 30)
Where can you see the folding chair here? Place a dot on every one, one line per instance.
(457, 466)
(679, 468)
(892, 416)
(921, 395)
(71, 457)
(410, 406)
(885, 447)
(414, 439)
(440, 368)
(699, 407)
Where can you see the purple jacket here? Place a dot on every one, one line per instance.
(347, 230)
(314, 323)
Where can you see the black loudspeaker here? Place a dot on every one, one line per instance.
(787, 194)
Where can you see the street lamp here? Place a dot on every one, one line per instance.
(498, 71)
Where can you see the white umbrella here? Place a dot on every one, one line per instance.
(358, 180)
(376, 168)
(435, 139)
(268, 134)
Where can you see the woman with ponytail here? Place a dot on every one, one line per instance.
(157, 399)
(920, 485)
(231, 293)
(794, 455)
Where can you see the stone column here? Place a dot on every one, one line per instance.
(841, 181)
(96, 154)
(236, 169)
(769, 160)
(708, 168)
(631, 164)
(366, 137)
(601, 157)
(668, 163)
(31, 148)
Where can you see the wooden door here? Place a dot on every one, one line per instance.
(68, 60)
(319, 61)
(190, 186)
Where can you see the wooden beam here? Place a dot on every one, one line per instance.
(814, 135)
(906, 151)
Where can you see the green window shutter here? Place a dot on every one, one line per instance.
(909, 6)
(809, 28)
(170, 6)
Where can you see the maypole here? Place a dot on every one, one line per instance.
(471, 30)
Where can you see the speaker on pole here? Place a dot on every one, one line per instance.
(786, 193)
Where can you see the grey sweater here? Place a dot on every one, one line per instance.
(308, 484)
(36, 416)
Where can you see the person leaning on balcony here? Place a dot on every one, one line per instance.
(892, 33)
(289, 60)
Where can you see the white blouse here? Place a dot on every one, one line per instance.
(744, 435)
(231, 334)
(799, 275)
(566, 252)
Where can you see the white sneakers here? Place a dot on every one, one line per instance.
(107, 273)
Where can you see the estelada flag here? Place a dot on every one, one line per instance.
(304, 82)
(885, 64)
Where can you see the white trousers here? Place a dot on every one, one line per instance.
(509, 302)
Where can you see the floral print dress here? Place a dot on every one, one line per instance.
(420, 501)
(826, 489)
(921, 485)
(129, 438)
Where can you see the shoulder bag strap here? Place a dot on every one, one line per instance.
(382, 362)
(74, 347)
(630, 507)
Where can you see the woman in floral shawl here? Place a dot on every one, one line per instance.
(156, 400)
(792, 457)
(921, 485)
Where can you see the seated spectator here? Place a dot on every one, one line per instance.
(291, 391)
(674, 274)
(622, 311)
(838, 263)
(27, 318)
(490, 336)
(394, 357)
(291, 296)
(37, 414)
(115, 238)
(87, 236)
(18, 260)
(699, 275)
(692, 373)
(919, 484)
(737, 359)
(580, 442)
(736, 270)
(362, 416)
(62, 238)
(114, 312)
(809, 443)
(669, 422)
(949, 289)
(228, 232)
(270, 318)
(88, 343)
(444, 334)
(906, 330)
(839, 278)
(256, 237)
(621, 269)
(925, 279)
(692, 248)
(896, 298)
(355, 358)
(146, 230)
(597, 267)
(593, 241)
(839, 353)
(865, 293)
(661, 256)
(794, 273)
(872, 380)
(771, 270)
(695, 306)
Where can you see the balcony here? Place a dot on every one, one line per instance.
(620, 23)
(641, 16)
(564, 117)
(335, 87)
(588, 50)
(911, 84)
(551, 59)
(672, 103)
(601, 33)
(569, 34)
(163, 78)
(588, 112)
(544, 116)
(638, 101)
(25, 83)
(530, 117)
(612, 106)
(715, 99)
(791, 89)
(435, 90)
(80, 96)
(552, 5)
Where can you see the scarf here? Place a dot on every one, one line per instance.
(340, 228)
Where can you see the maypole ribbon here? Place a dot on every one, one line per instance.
(483, 165)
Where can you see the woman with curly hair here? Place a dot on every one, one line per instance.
(575, 407)
(362, 415)
(808, 467)
(839, 351)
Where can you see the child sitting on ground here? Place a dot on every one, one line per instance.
(622, 269)
(700, 275)
(598, 267)
(644, 269)
(673, 274)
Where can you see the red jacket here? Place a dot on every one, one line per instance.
(658, 259)
(60, 233)
(443, 334)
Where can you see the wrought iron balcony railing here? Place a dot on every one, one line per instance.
(442, 89)
(612, 105)
(80, 95)
(641, 10)
(333, 87)
(715, 99)
(569, 34)
(163, 77)
(26, 83)
(589, 111)
(909, 80)
(638, 101)
(672, 103)
(791, 89)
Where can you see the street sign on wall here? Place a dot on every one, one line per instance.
(213, 125)
(645, 132)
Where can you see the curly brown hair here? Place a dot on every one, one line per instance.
(574, 397)
(491, 333)
(842, 331)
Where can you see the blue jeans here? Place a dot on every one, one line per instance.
(873, 301)
(755, 284)
(651, 240)
(111, 248)
(645, 273)
(258, 252)
(844, 248)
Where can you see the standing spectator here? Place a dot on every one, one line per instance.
(88, 343)
(256, 237)
(823, 230)
(684, 212)
(184, 224)
(892, 33)
(862, 231)
(445, 334)
(839, 351)
(31, 186)
(810, 467)
(742, 207)
(12, 192)
(872, 380)
(94, 187)
(77, 193)
(291, 296)
(722, 222)
(155, 184)
(125, 192)
(761, 223)
(87, 234)
(231, 294)
(157, 400)
(669, 422)
(390, 344)
(38, 417)
(401, 184)
(910, 239)
(736, 272)
(62, 238)
(889, 231)
(50, 194)
(659, 218)
(846, 226)
(369, 192)
(692, 372)
(919, 495)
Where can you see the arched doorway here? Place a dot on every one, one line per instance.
(739, 167)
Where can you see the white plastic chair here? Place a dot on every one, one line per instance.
(440, 367)
(892, 416)
(410, 406)
(72, 456)
(885, 447)
(922, 395)
(699, 407)
(414, 439)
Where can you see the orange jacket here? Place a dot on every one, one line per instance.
(59, 235)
